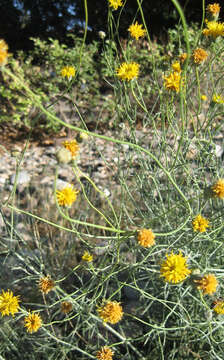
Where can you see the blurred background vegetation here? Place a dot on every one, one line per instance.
(22, 19)
(45, 35)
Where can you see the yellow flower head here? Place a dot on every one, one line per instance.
(213, 9)
(3, 52)
(146, 237)
(176, 67)
(87, 256)
(66, 196)
(200, 224)
(207, 284)
(214, 29)
(128, 71)
(111, 312)
(105, 353)
(204, 98)
(218, 99)
(115, 4)
(136, 30)
(66, 307)
(199, 56)
(72, 146)
(219, 307)
(46, 284)
(172, 82)
(183, 57)
(32, 322)
(218, 189)
(9, 304)
(174, 269)
(68, 71)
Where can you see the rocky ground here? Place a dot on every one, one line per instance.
(97, 158)
(37, 162)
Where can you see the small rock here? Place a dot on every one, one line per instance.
(218, 150)
(23, 178)
(61, 184)
(106, 192)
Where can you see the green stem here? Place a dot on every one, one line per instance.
(101, 192)
(116, 141)
(87, 199)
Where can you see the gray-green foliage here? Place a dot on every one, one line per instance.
(160, 179)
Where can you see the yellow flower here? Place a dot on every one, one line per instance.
(213, 9)
(3, 52)
(136, 30)
(87, 256)
(115, 4)
(111, 312)
(66, 196)
(128, 71)
(32, 322)
(218, 189)
(105, 353)
(174, 268)
(183, 57)
(146, 237)
(200, 224)
(204, 98)
(66, 307)
(68, 71)
(8, 303)
(72, 146)
(218, 99)
(46, 284)
(207, 284)
(219, 307)
(172, 82)
(176, 67)
(199, 56)
(214, 29)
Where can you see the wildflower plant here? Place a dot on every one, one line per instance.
(214, 29)
(145, 180)
(218, 189)
(72, 146)
(207, 284)
(128, 71)
(105, 353)
(213, 9)
(32, 322)
(115, 4)
(110, 311)
(199, 56)
(68, 71)
(219, 307)
(3, 52)
(146, 237)
(9, 304)
(46, 284)
(67, 195)
(87, 256)
(200, 224)
(136, 31)
(174, 269)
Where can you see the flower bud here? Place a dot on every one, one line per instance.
(63, 156)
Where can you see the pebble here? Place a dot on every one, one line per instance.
(97, 158)
(22, 178)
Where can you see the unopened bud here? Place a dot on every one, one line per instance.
(64, 156)
(102, 34)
